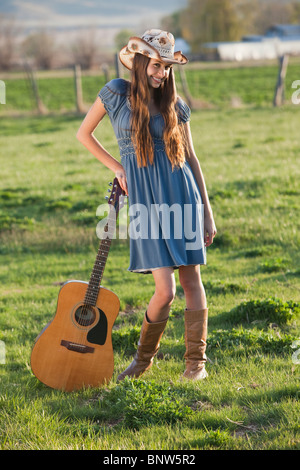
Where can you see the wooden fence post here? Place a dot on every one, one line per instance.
(119, 70)
(185, 87)
(78, 88)
(105, 70)
(279, 90)
(34, 86)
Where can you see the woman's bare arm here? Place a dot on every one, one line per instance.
(86, 137)
(209, 224)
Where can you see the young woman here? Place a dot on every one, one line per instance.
(171, 217)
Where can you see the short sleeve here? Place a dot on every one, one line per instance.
(183, 110)
(113, 95)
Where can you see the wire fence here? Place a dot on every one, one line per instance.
(202, 85)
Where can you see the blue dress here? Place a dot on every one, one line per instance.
(165, 206)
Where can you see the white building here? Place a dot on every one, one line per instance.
(277, 41)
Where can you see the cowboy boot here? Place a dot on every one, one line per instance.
(148, 346)
(195, 343)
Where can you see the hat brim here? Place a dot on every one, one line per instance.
(139, 46)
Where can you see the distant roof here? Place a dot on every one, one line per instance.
(284, 33)
(182, 45)
(284, 30)
(252, 38)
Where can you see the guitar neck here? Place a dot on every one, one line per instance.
(101, 258)
(97, 272)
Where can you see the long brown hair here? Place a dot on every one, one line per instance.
(165, 99)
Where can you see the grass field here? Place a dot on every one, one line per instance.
(50, 190)
(219, 86)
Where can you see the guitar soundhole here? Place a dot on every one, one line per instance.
(85, 315)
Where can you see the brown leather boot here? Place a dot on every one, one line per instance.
(148, 346)
(195, 343)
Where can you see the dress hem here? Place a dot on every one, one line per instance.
(149, 270)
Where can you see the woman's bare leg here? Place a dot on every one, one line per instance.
(190, 280)
(161, 301)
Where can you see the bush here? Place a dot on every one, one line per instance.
(126, 338)
(240, 340)
(151, 403)
(146, 403)
(269, 310)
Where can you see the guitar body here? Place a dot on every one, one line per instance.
(75, 349)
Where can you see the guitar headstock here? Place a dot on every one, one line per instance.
(117, 195)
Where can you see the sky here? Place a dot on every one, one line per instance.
(109, 14)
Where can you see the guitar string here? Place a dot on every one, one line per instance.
(91, 296)
(98, 269)
(99, 264)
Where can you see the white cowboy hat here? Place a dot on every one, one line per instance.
(155, 44)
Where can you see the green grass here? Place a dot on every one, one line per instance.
(250, 86)
(49, 193)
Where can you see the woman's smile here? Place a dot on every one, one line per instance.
(157, 81)
(157, 72)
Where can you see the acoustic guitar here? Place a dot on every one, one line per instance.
(75, 349)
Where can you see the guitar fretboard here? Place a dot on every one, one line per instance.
(98, 269)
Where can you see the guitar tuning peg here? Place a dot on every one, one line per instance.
(106, 197)
(109, 190)
(110, 184)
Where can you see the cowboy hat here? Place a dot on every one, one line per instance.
(155, 44)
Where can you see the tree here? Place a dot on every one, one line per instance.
(215, 20)
(41, 48)
(121, 39)
(85, 48)
(173, 24)
(272, 12)
(295, 12)
(229, 20)
(8, 41)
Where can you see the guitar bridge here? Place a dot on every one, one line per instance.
(81, 348)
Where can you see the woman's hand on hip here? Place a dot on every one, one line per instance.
(210, 230)
(121, 175)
